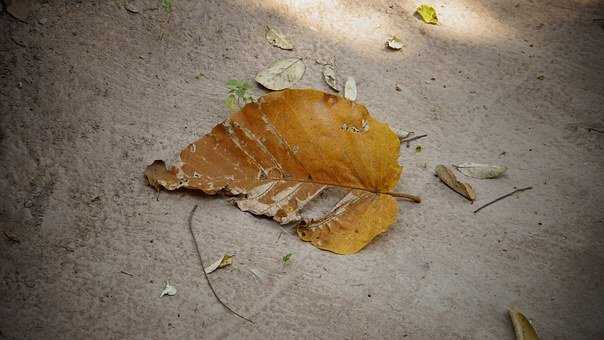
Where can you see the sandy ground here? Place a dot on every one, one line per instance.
(90, 94)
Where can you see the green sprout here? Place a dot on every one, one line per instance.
(167, 5)
(287, 257)
(238, 95)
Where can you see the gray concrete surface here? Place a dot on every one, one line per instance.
(90, 94)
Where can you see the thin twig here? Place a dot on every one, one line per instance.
(412, 139)
(502, 197)
(596, 130)
(126, 273)
(203, 268)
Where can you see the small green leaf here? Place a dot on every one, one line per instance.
(287, 257)
(428, 14)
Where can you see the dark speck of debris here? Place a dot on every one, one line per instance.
(398, 88)
(432, 78)
(151, 241)
(368, 295)
(540, 223)
(541, 77)
(530, 149)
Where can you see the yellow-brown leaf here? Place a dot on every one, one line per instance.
(279, 153)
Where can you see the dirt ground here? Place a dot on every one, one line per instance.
(90, 94)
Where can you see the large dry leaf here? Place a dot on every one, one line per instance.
(282, 74)
(279, 153)
(522, 326)
(449, 178)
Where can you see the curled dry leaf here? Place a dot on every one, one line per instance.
(329, 75)
(282, 74)
(278, 39)
(222, 262)
(394, 43)
(350, 89)
(448, 177)
(428, 14)
(280, 152)
(522, 326)
(481, 171)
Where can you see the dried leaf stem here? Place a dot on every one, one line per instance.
(410, 197)
(502, 197)
(203, 267)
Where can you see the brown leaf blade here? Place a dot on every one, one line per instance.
(279, 153)
(522, 326)
(356, 220)
(448, 177)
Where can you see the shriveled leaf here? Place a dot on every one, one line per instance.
(394, 43)
(481, 171)
(522, 326)
(168, 289)
(428, 14)
(448, 177)
(280, 152)
(222, 262)
(282, 74)
(329, 75)
(350, 89)
(278, 39)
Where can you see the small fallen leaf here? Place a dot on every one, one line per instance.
(222, 262)
(278, 39)
(168, 289)
(132, 8)
(287, 257)
(329, 75)
(282, 74)
(428, 14)
(522, 326)
(448, 177)
(481, 171)
(350, 89)
(394, 43)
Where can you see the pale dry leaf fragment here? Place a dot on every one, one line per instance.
(522, 326)
(282, 74)
(394, 43)
(278, 39)
(222, 262)
(277, 154)
(350, 89)
(481, 171)
(329, 75)
(402, 134)
(168, 289)
(448, 177)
